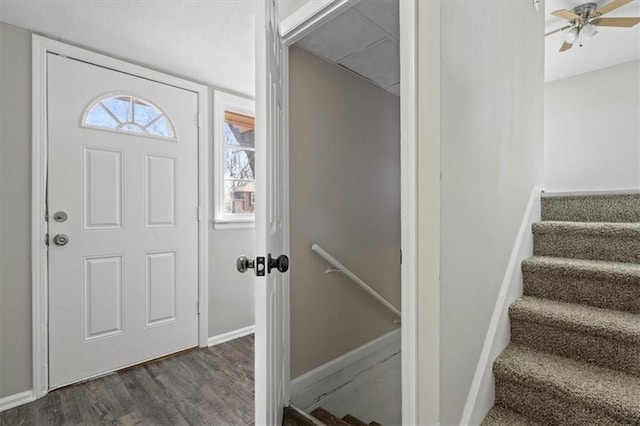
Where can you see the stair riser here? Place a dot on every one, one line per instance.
(555, 408)
(613, 353)
(587, 246)
(602, 208)
(601, 293)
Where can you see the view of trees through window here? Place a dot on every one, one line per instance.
(239, 163)
(129, 114)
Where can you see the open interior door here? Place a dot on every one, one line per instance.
(271, 286)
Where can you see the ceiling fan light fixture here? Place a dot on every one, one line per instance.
(588, 32)
(572, 35)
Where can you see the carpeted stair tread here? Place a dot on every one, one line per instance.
(618, 242)
(609, 285)
(374, 424)
(501, 416)
(589, 389)
(603, 207)
(586, 319)
(327, 418)
(618, 271)
(353, 421)
(601, 336)
(608, 229)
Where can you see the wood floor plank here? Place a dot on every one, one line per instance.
(213, 386)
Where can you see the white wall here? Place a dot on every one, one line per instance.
(230, 293)
(491, 156)
(592, 130)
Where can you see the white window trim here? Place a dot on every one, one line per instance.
(222, 102)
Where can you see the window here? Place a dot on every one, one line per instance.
(234, 161)
(130, 114)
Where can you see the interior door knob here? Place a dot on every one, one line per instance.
(244, 263)
(281, 263)
(60, 239)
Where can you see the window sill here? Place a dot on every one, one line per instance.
(229, 225)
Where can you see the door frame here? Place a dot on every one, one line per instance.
(307, 18)
(41, 46)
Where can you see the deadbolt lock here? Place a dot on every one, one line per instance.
(60, 216)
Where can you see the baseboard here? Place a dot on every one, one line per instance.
(630, 191)
(365, 382)
(231, 335)
(14, 400)
(481, 393)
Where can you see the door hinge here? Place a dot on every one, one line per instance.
(46, 239)
(199, 213)
(198, 307)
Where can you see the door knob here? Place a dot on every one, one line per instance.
(281, 263)
(60, 239)
(244, 263)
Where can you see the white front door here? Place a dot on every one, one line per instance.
(271, 302)
(122, 207)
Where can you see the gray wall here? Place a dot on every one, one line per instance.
(15, 210)
(345, 196)
(492, 94)
(230, 294)
(592, 130)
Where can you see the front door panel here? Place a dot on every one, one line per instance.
(123, 169)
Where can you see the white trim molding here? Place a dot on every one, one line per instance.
(311, 16)
(41, 46)
(481, 397)
(409, 209)
(15, 400)
(231, 335)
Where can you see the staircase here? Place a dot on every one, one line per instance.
(320, 417)
(574, 355)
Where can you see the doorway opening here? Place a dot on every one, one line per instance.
(345, 216)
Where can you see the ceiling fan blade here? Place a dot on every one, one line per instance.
(616, 22)
(565, 14)
(565, 46)
(611, 6)
(558, 30)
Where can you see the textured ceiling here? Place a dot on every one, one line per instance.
(210, 41)
(364, 40)
(610, 47)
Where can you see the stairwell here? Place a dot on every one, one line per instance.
(574, 354)
(320, 417)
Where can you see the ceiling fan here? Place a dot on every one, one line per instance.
(584, 19)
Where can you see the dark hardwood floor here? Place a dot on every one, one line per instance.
(211, 386)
